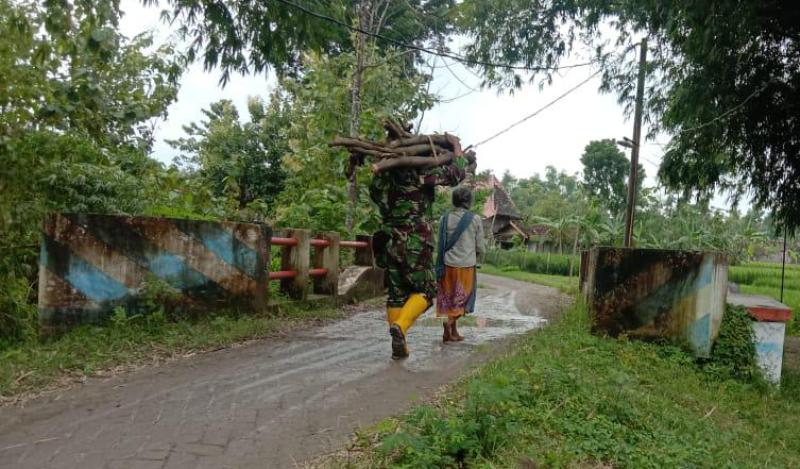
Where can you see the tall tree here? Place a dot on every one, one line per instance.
(605, 174)
(241, 161)
(724, 79)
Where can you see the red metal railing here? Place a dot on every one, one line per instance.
(316, 242)
(278, 241)
(354, 244)
(281, 274)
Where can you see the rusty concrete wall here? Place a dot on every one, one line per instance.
(650, 293)
(90, 264)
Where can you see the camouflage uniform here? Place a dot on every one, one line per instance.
(404, 244)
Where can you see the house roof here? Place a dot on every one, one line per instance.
(499, 202)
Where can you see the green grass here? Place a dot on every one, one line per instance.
(566, 398)
(563, 283)
(130, 341)
(534, 262)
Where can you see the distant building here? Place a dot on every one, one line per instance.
(503, 222)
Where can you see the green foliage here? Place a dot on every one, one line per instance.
(224, 35)
(576, 219)
(566, 398)
(77, 108)
(725, 89)
(606, 172)
(243, 162)
(318, 101)
(734, 352)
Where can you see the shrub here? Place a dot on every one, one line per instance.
(734, 353)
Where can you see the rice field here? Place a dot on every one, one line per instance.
(761, 278)
(534, 262)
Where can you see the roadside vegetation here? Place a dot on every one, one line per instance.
(566, 398)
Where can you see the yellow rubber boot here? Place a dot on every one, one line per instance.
(414, 307)
(393, 314)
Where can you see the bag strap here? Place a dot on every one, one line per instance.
(462, 226)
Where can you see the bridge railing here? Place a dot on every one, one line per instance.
(314, 258)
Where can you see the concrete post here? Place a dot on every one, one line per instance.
(263, 257)
(364, 256)
(296, 258)
(327, 258)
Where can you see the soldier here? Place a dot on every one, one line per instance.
(404, 244)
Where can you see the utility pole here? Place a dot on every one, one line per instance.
(637, 135)
(783, 265)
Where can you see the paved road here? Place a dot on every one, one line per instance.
(272, 403)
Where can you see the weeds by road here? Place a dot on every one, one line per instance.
(128, 342)
(566, 398)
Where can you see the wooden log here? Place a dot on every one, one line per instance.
(395, 130)
(417, 162)
(439, 140)
(366, 148)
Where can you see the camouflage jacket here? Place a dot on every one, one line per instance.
(406, 196)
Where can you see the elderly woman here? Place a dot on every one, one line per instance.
(461, 244)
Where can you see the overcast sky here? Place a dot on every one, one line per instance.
(555, 137)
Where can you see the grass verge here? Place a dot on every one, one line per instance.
(566, 398)
(129, 342)
(563, 283)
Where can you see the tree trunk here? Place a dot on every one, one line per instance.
(355, 108)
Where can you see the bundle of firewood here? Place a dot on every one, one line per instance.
(401, 149)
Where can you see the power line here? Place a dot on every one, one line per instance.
(471, 88)
(456, 98)
(449, 55)
(724, 114)
(535, 113)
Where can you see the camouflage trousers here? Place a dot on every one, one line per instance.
(405, 251)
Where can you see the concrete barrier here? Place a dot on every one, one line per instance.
(650, 293)
(90, 264)
(769, 330)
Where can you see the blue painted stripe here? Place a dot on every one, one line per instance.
(223, 244)
(766, 348)
(90, 281)
(169, 267)
(700, 334)
(173, 270)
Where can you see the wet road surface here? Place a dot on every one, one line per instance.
(271, 403)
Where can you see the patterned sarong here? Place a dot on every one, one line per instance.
(456, 288)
